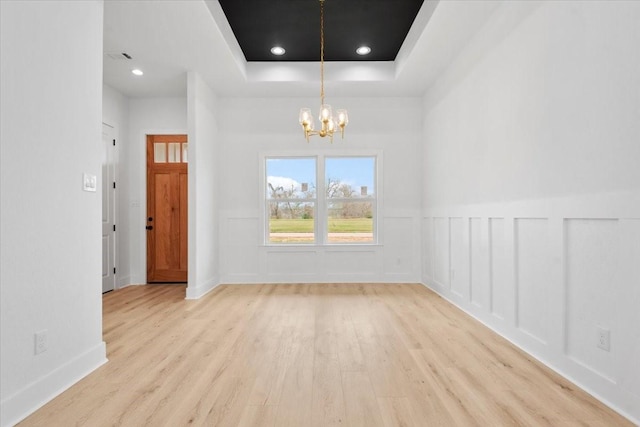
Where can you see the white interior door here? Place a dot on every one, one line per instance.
(108, 210)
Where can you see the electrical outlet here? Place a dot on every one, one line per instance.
(40, 341)
(604, 338)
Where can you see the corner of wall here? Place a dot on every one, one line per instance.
(198, 291)
(17, 407)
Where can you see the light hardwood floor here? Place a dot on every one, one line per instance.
(311, 355)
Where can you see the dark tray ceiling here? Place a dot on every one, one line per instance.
(259, 25)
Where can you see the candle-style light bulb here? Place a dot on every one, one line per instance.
(343, 117)
(325, 113)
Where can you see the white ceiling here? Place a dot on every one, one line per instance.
(168, 38)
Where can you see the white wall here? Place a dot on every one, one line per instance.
(249, 127)
(115, 112)
(203, 213)
(147, 116)
(532, 187)
(50, 268)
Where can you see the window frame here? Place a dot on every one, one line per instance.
(321, 200)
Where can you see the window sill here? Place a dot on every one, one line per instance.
(316, 246)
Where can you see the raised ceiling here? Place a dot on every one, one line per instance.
(258, 25)
(167, 39)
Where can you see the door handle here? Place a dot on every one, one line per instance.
(149, 227)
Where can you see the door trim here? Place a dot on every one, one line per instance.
(180, 274)
(110, 162)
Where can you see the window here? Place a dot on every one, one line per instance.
(350, 202)
(291, 200)
(320, 199)
(170, 152)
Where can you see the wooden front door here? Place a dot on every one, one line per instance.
(166, 208)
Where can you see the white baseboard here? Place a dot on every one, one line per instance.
(20, 405)
(198, 291)
(555, 366)
(123, 282)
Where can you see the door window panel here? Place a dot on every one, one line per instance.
(160, 152)
(174, 152)
(185, 151)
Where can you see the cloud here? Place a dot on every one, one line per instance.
(284, 182)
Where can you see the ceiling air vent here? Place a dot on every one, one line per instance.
(117, 55)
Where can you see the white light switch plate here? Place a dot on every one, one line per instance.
(89, 182)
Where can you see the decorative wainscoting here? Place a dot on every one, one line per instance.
(245, 259)
(547, 283)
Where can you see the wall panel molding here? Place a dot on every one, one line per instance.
(441, 251)
(546, 283)
(479, 262)
(591, 265)
(532, 279)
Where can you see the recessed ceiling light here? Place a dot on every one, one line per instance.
(363, 50)
(278, 50)
(137, 71)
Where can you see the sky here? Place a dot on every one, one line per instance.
(356, 171)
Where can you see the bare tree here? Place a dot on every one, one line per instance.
(336, 188)
(275, 206)
(288, 206)
(288, 194)
(358, 208)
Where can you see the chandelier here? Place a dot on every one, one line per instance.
(329, 124)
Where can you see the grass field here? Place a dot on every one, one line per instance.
(336, 225)
(350, 225)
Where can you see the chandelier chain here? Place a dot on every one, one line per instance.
(322, 52)
(329, 124)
